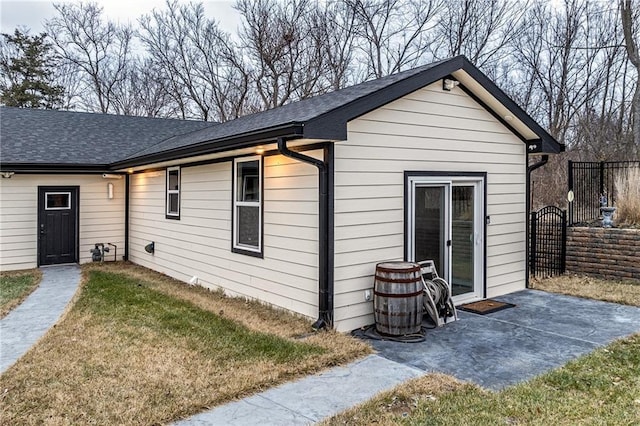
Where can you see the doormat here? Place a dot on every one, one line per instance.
(487, 306)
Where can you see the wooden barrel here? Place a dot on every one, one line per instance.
(397, 301)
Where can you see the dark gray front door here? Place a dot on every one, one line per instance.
(57, 224)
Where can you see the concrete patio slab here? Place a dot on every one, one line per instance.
(542, 332)
(27, 323)
(590, 320)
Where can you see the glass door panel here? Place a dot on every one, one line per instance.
(462, 233)
(430, 225)
(445, 223)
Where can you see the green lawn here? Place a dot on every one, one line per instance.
(121, 301)
(15, 287)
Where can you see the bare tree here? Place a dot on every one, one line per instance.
(336, 27)
(573, 65)
(393, 35)
(552, 65)
(603, 126)
(285, 49)
(143, 92)
(99, 50)
(630, 22)
(482, 30)
(66, 74)
(204, 75)
(570, 74)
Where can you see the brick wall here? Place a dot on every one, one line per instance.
(611, 253)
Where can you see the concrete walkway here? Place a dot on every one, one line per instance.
(27, 323)
(313, 398)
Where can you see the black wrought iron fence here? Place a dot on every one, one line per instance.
(548, 242)
(593, 185)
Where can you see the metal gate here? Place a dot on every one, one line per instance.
(548, 241)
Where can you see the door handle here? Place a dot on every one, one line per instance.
(42, 229)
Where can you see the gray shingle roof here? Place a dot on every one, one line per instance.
(37, 136)
(70, 138)
(296, 112)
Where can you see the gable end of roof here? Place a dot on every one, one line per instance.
(333, 124)
(549, 143)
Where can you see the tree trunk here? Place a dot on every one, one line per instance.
(626, 11)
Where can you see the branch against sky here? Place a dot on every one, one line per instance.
(203, 73)
(284, 44)
(393, 35)
(100, 51)
(482, 30)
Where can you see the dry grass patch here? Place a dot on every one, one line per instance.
(625, 292)
(391, 407)
(141, 348)
(628, 198)
(15, 286)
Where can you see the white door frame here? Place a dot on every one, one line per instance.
(478, 182)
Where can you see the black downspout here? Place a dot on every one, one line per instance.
(542, 162)
(330, 244)
(125, 255)
(325, 263)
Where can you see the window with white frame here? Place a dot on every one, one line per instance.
(247, 204)
(173, 193)
(57, 201)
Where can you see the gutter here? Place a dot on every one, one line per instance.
(531, 168)
(47, 168)
(545, 159)
(325, 229)
(212, 146)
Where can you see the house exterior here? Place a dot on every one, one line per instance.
(293, 206)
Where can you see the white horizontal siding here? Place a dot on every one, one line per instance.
(428, 130)
(100, 220)
(199, 243)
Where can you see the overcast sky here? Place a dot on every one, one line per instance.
(33, 13)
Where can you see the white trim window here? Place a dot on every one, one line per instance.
(57, 201)
(173, 193)
(247, 205)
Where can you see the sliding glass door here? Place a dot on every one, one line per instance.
(445, 224)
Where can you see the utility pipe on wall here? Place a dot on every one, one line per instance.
(325, 290)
